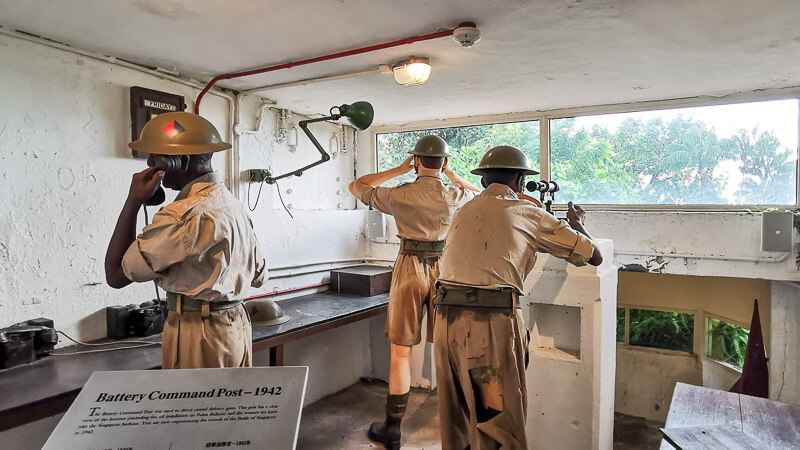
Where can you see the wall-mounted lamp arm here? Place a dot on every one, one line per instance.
(324, 156)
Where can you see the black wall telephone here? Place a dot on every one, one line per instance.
(167, 163)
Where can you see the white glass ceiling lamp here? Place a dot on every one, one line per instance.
(412, 71)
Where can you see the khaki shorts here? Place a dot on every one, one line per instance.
(413, 289)
(220, 339)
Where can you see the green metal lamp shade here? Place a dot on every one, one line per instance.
(359, 114)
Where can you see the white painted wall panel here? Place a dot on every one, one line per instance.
(65, 169)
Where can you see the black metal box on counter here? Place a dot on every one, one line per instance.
(366, 280)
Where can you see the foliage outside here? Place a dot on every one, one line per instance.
(677, 162)
(657, 329)
(727, 342)
(467, 144)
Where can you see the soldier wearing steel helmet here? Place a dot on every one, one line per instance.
(201, 248)
(480, 339)
(423, 210)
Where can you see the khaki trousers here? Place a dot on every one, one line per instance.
(480, 356)
(413, 290)
(193, 340)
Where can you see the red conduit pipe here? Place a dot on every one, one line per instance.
(270, 294)
(303, 62)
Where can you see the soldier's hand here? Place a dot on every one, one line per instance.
(144, 184)
(407, 165)
(575, 214)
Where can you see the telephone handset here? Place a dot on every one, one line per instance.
(167, 163)
(158, 197)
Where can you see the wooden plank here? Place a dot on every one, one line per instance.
(701, 438)
(773, 424)
(694, 406)
(698, 406)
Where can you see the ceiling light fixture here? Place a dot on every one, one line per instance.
(412, 71)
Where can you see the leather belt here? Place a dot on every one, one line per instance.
(410, 245)
(189, 304)
(476, 297)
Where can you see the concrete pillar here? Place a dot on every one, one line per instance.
(784, 361)
(571, 312)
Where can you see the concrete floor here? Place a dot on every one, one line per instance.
(341, 420)
(636, 433)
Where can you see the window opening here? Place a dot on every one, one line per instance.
(737, 154)
(667, 330)
(468, 144)
(726, 342)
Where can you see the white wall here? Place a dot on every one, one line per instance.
(784, 362)
(704, 234)
(65, 170)
(646, 379)
(326, 226)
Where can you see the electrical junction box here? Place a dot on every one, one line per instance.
(776, 231)
(366, 280)
(376, 224)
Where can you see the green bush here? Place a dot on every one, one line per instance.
(661, 329)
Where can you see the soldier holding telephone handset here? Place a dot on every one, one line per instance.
(201, 248)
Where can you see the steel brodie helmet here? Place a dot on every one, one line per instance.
(179, 133)
(265, 312)
(431, 145)
(505, 157)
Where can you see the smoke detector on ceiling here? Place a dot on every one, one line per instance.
(467, 34)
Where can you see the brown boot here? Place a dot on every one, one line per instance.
(388, 432)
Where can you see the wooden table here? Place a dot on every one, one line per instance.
(769, 423)
(48, 386)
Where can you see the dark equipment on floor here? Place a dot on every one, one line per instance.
(365, 281)
(24, 342)
(131, 320)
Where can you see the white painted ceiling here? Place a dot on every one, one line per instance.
(533, 55)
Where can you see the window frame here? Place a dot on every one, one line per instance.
(545, 116)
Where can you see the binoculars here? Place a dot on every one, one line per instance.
(547, 192)
(545, 187)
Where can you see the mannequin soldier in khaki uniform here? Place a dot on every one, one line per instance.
(480, 339)
(201, 248)
(423, 210)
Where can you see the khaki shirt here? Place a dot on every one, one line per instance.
(422, 209)
(494, 240)
(201, 245)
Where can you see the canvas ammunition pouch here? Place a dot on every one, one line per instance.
(410, 245)
(182, 303)
(476, 297)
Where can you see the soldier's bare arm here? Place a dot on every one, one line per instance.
(143, 186)
(376, 179)
(458, 180)
(575, 216)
